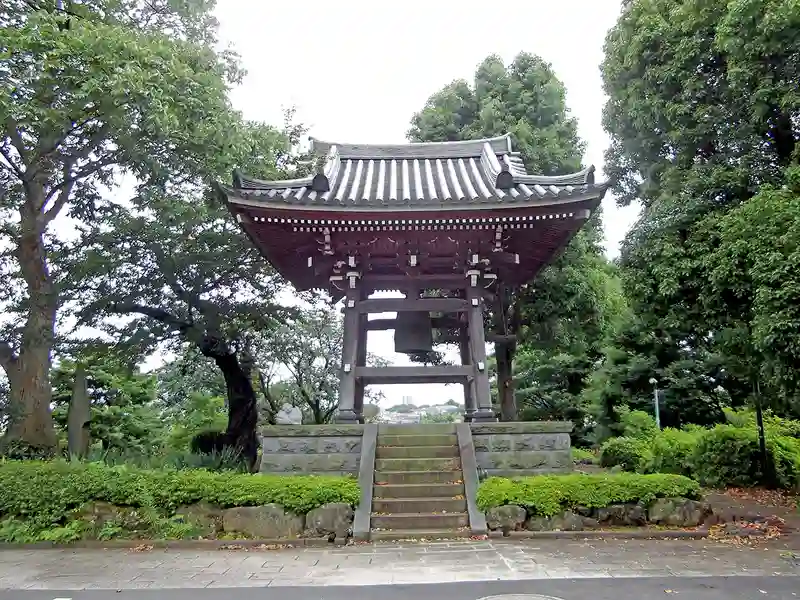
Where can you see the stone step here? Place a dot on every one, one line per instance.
(417, 429)
(418, 464)
(389, 535)
(437, 439)
(411, 521)
(419, 505)
(419, 490)
(417, 477)
(416, 451)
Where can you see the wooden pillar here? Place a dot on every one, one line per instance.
(361, 361)
(347, 378)
(469, 396)
(477, 344)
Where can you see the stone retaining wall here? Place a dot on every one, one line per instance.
(522, 448)
(311, 449)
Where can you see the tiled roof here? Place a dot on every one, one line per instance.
(417, 175)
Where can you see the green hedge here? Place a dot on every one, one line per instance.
(628, 453)
(722, 456)
(547, 495)
(672, 451)
(730, 456)
(45, 493)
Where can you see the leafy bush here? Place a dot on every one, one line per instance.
(631, 454)
(638, 424)
(671, 451)
(582, 456)
(43, 494)
(547, 495)
(773, 425)
(730, 456)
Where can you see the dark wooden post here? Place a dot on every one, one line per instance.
(347, 381)
(477, 344)
(361, 361)
(469, 397)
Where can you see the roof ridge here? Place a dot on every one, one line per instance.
(325, 144)
(451, 149)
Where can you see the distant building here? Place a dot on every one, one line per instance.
(406, 401)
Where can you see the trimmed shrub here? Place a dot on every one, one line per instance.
(638, 424)
(730, 456)
(45, 493)
(671, 451)
(547, 495)
(630, 454)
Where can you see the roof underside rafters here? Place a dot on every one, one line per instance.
(440, 203)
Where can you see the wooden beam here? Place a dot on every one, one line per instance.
(395, 375)
(436, 323)
(380, 305)
(498, 337)
(444, 281)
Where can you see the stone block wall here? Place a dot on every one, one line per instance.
(311, 449)
(522, 448)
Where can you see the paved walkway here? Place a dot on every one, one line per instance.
(386, 564)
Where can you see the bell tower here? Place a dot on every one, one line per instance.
(445, 223)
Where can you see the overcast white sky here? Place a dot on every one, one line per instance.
(357, 70)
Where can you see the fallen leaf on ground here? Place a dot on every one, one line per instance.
(763, 496)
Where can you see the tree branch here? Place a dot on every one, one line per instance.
(16, 140)
(48, 214)
(159, 314)
(11, 166)
(8, 357)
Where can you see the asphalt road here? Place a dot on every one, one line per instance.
(679, 588)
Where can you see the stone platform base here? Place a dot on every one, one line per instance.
(504, 449)
(311, 449)
(522, 448)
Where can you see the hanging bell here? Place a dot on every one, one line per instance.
(413, 332)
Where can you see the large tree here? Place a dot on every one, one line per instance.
(87, 93)
(527, 100)
(703, 111)
(177, 262)
(755, 286)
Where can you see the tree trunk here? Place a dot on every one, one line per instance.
(31, 423)
(504, 354)
(78, 416)
(242, 408)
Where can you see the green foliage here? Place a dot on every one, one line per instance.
(731, 456)
(638, 424)
(672, 451)
(44, 495)
(755, 276)
(129, 88)
(703, 130)
(628, 453)
(562, 317)
(547, 495)
(688, 379)
(582, 456)
(123, 416)
(200, 413)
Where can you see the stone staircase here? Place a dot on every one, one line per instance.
(419, 484)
